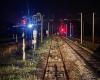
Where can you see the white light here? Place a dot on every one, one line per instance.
(30, 25)
(34, 33)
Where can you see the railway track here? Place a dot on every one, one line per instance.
(91, 61)
(55, 68)
(64, 62)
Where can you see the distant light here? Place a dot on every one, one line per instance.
(30, 25)
(62, 30)
(24, 21)
(15, 26)
(34, 33)
(65, 19)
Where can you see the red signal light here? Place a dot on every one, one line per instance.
(23, 21)
(62, 28)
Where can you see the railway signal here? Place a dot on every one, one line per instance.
(23, 21)
(34, 41)
(63, 29)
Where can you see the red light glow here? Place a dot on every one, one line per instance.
(23, 21)
(62, 28)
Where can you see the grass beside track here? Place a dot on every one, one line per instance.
(23, 70)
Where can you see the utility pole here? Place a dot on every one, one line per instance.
(41, 28)
(81, 29)
(66, 30)
(13, 36)
(23, 48)
(52, 28)
(34, 31)
(70, 29)
(66, 26)
(48, 28)
(16, 38)
(93, 29)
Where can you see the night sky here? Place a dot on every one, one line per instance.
(12, 10)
